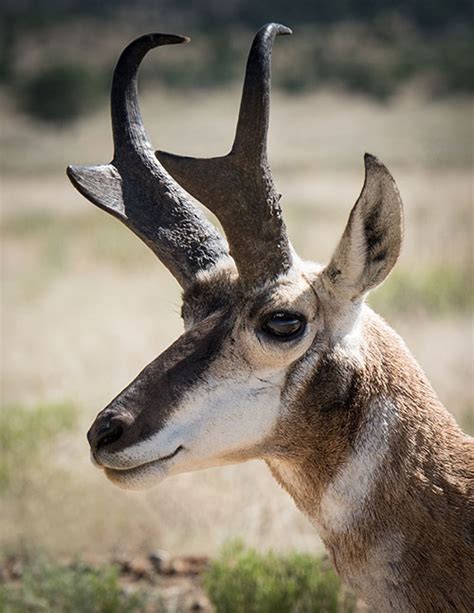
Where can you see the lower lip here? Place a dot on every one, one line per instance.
(127, 473)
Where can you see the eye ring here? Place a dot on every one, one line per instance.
(283, 326)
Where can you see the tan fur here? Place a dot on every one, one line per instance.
(412, 547)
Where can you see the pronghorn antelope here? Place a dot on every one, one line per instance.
(282, 359)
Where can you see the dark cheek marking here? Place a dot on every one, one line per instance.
(333, 399)
(334, 387)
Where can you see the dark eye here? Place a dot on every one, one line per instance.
(283, 325)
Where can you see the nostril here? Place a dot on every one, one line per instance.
(109, 433)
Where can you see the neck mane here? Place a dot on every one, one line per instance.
(389, 499)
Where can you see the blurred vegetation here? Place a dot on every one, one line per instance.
(79, 588)
(53, 256)
(25, 434)
(354, 45)
(241, 580)
(438, 290)
(62, 92)
(208, 13)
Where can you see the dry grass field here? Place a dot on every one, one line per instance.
(85, 305)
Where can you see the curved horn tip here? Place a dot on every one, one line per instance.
(156, 39)
(172, 39)
(278, 28)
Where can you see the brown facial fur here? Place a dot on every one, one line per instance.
(222, 322)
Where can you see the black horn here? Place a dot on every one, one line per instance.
(238, 188)
(135, 187)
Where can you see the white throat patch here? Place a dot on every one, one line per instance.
(345, 499)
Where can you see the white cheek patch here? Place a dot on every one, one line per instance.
(233, 416)
(218, 419)
(345, 499)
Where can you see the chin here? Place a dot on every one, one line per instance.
(139, 478)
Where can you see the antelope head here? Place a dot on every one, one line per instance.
(258, 322)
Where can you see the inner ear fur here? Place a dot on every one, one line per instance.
(372, 239)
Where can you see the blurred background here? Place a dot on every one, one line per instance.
(85, 305)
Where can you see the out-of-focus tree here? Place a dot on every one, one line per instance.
(62, 93)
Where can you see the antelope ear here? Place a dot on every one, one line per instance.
(371, 242)
(102, 185)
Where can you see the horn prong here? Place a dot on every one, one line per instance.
(136, 188)
(238, 188)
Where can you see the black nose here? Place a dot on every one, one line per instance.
(105, 431)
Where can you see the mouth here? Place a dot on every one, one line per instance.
(141, 476)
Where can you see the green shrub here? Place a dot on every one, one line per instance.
(453, 60)
(241, 580)
(47, 586)
(439, 290)
(23, 434)
(62, 93)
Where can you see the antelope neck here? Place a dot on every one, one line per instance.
(394, 500)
